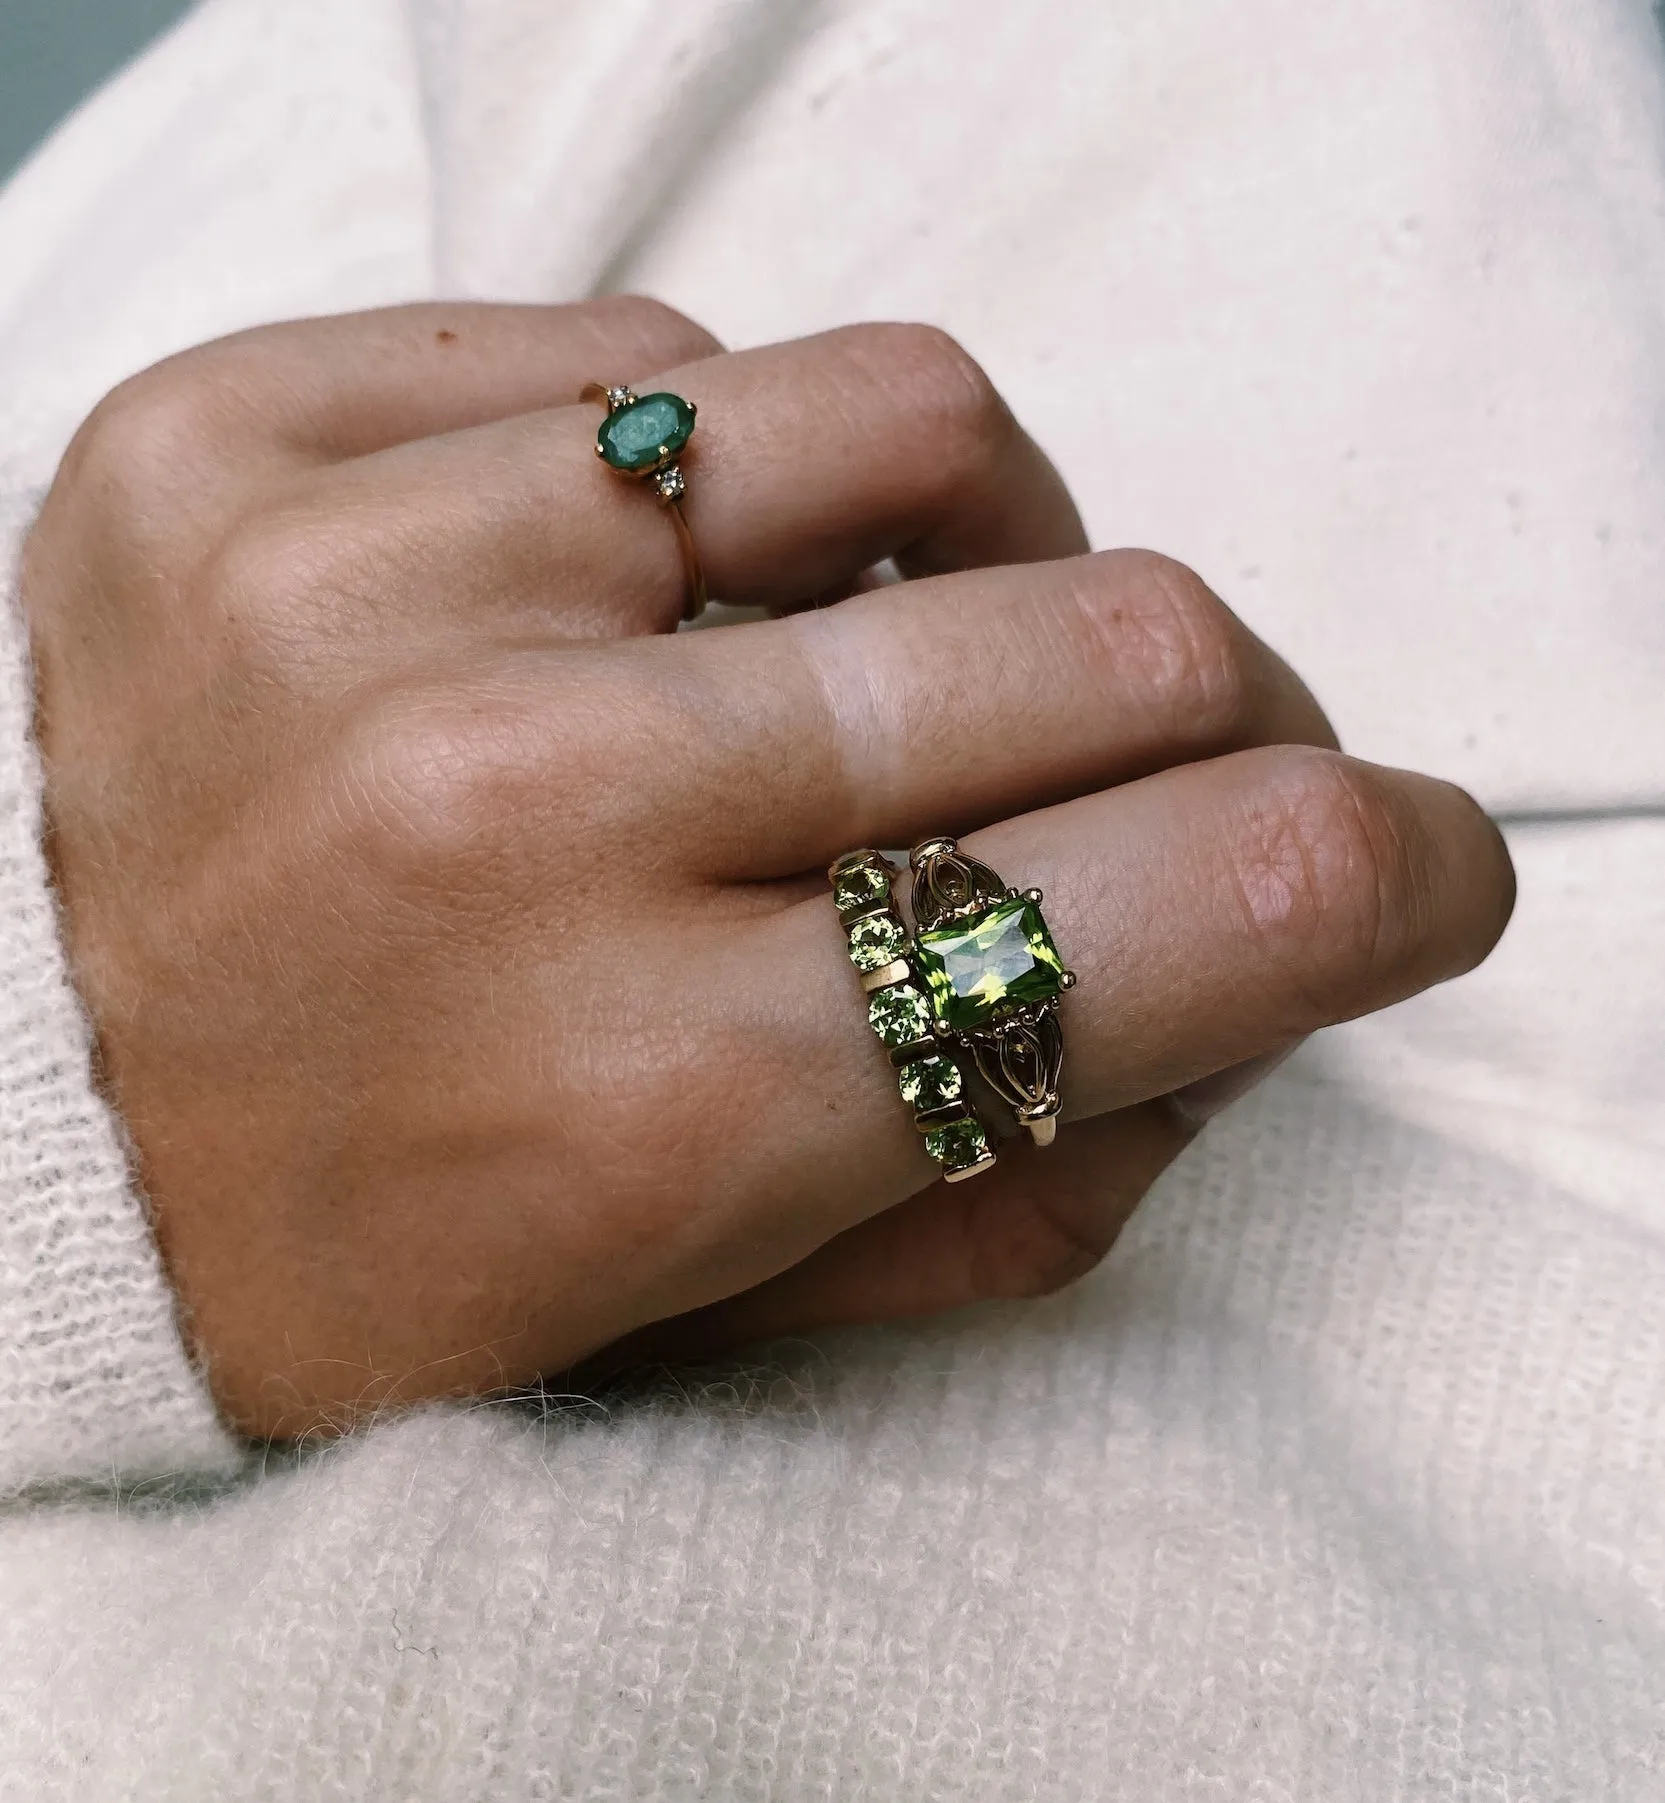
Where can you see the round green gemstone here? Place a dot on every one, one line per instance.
(931, 1083)
(876, 941)
(860, 887)
(958, 1145)
(647, 434)
(899, 1015)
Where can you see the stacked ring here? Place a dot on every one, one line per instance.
(930, 1080)
(641, 437)
(985, 958)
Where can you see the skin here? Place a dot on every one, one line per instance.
(455, 933)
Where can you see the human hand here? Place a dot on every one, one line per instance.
(456, 934)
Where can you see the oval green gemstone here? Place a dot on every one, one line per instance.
(958, 1145)
(899, 1015)
(931, 1083)
(876, 941)
(647, 434)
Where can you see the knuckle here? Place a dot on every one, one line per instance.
(145, 433)
(948, 394)
(425, 783)
(1192, 655)
(279, 577)
(261, 559)
(1338, 874)
(474, 787)
(658, 331)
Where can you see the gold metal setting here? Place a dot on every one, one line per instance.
(1019, 1047)
(896, 972)
(669, 484)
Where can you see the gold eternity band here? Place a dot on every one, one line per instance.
(642, 437)
(930, 1080)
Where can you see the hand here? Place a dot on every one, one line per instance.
(456, 934)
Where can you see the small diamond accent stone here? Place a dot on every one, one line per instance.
(670, 484)
(899, 1015)
(958, 1145)
(860, 886)
(876, 941)
(931, 1083)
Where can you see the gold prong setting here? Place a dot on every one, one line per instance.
(985, 956)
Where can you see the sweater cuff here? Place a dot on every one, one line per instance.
(95, 1382)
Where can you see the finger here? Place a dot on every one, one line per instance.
(180, 450)
(368, 381)
(177, 463)
(809, 463)
(349, 384)
(963, 701)
(1210, 913)
(1035, 1223)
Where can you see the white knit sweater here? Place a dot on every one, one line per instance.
(1345, 1477)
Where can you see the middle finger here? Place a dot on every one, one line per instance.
(944, 705)
(1211, 912)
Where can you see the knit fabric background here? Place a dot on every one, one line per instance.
(1345, 1477)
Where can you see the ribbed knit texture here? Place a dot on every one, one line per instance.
(1344, 1479)
(1348, 1502)
(93, 1378)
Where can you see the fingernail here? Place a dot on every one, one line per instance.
(1198, 1103)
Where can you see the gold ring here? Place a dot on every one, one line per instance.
(642, 437)
(984, 957)
(929, 1078)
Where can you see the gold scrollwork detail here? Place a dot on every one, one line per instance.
(948, 881)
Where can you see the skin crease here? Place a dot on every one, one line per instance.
(456, 935)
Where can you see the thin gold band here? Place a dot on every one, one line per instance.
(695, 604)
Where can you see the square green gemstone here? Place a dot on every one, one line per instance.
(1002, 953)
(958, 1145)
(930, 1083)
(860, 887)
(899, 1015)
(876, 941)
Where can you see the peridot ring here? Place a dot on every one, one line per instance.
(642, 437)
(991, 976)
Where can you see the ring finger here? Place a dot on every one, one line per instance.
(1210, 912)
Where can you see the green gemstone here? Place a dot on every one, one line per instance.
(860, 886)
(958, 1145)
(931, 1083)
(647, 434)
(876, 941)
(899, 1015)
(1001, 954)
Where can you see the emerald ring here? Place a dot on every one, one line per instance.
(928, 1076)
(991, 975)
(642, 437)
